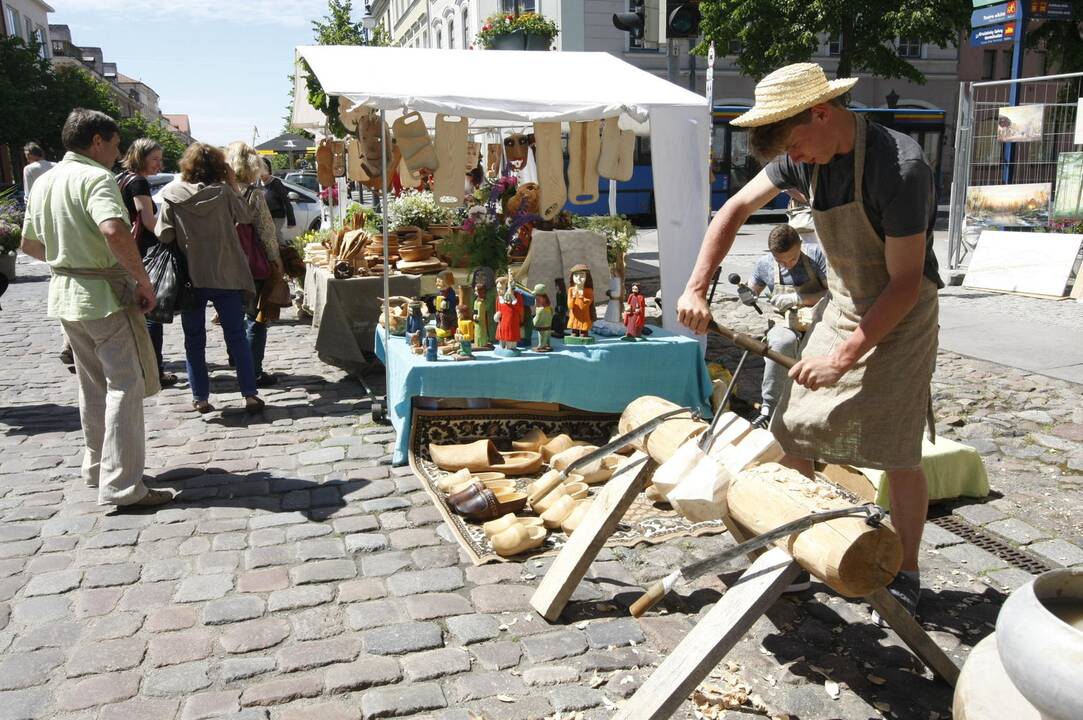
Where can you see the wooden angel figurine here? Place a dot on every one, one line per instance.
(509, 315)
(581, 305)
(484, 307)
(543, 317)
(635, 312)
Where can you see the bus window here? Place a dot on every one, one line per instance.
(743, 167)
(718, 149)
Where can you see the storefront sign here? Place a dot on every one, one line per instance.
(1045, 10)
(993, 34)
(994, 14)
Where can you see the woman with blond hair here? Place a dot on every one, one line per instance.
(247, 167)
(201, 213)
(144, 158)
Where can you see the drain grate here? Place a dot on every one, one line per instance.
(991, 544)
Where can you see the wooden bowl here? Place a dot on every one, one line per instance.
(415, 254)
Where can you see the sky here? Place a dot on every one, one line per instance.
(224, 63)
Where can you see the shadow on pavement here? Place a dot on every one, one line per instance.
(38, 419)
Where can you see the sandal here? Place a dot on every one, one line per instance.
(254, 405)
(202, 407)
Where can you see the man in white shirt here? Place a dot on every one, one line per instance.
(36, 166)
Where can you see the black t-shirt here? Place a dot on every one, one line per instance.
(898, 190)
(130, 190)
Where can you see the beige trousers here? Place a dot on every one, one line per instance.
(111, 393)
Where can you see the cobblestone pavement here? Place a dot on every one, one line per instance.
(300, 576)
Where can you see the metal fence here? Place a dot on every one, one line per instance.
(980, 159)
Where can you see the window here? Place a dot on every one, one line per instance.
(451, 33)
(39, 34)
(988, 64)
(14, 24)
(518, 6)
(834, 45)
(466, 27)
(439, 38)
(734, 47)
(909, 47)
(1007, 71)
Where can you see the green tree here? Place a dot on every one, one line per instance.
(137, 126)
(24, 79)
(773, 33)
(71, 87)
(1061, 39)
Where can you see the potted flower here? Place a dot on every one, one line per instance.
(11, 231)
(525, 31)
(416, 208)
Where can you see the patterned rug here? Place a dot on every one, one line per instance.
(644, 522)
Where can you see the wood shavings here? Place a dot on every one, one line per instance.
(875, 679)
(882, 706)
(596, 680)
(505, 698)
(832, 689)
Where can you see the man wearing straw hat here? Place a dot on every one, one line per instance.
(861, 391)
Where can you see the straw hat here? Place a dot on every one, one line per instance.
(789, 90)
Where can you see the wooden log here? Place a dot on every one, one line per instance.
(667, 437)
(847, 554)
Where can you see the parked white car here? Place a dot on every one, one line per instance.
(306, 206)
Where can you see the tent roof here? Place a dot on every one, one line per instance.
(502, 87)
(287, 142)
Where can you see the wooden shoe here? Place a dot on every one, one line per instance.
(504, 522)
(494, 485)
(482, 456)
(608, 465)
(576, 491)
(557, 445)
(562, 508)
(485, 504)
(464, 476)
(517, 539)
(533, 440)
(570, 523)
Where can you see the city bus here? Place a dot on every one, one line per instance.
(732, 165)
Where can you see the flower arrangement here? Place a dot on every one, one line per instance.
(527, 23)
(329, 195)
(619, 233)
(418, 208)
(11, 224)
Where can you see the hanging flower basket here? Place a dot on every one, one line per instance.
(526, 31)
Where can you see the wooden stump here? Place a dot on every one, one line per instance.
(664, 440)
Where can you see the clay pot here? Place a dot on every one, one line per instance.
(1041, 652)
(517, 539)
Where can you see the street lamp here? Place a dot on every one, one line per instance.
(368, 21)
(892, 99)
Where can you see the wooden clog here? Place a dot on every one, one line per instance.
(562, 508)
(482, 456)
(576, 491)
(532, 440)
(486, 504)
(457, 478)
(504, 522)
(570, 523)
(494, 485)
(603, 473)
(557, 445)
(517, 539)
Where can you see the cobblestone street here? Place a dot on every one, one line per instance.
(299, 575)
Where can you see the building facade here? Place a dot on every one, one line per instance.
(29, 20)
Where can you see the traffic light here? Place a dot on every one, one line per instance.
(634, 21)
(682, 19)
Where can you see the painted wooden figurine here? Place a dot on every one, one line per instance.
(635, 312)
(415, 321)
(465, 335)
(560, 309)
(445, 287)
(484, 307)
(432, 344)
(581, 305)
(543, 317)
(445, 318)
(509, 312)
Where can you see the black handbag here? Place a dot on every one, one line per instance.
(167, 269)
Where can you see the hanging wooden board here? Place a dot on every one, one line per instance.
(549, 156)
(449, 181)
(584, 147)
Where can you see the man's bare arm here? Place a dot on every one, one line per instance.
(119, 238)
(33, 248)
(692, 308)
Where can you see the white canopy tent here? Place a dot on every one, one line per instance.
(507, 88)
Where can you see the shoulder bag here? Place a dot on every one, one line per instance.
(258, 263)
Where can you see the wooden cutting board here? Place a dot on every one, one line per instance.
(449, 180)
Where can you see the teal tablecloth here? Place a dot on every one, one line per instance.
(603, 377)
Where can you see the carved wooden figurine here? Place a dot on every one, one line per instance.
(509, 312)
(484, 307)
(465, 335)
(635, 312)
(543, 317)
(581, 305)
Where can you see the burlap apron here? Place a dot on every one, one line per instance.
(799, 318)
(874, 416)
(123, 287)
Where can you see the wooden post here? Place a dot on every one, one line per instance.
(914, 635)
(705, 646)
(605, 513)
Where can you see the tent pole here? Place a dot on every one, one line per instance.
(387, 258)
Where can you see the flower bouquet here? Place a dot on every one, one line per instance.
(526, 31)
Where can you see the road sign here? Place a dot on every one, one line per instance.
(1045, 10)
(993, 34)
(995, 14)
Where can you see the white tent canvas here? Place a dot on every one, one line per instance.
(504, 89)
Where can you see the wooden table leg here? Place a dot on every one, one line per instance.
(600, 521)
(712, 637)
(914, 635)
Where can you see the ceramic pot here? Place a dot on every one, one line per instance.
(1041, 652)
(7, 266)
(538, 42)
(515, 40)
